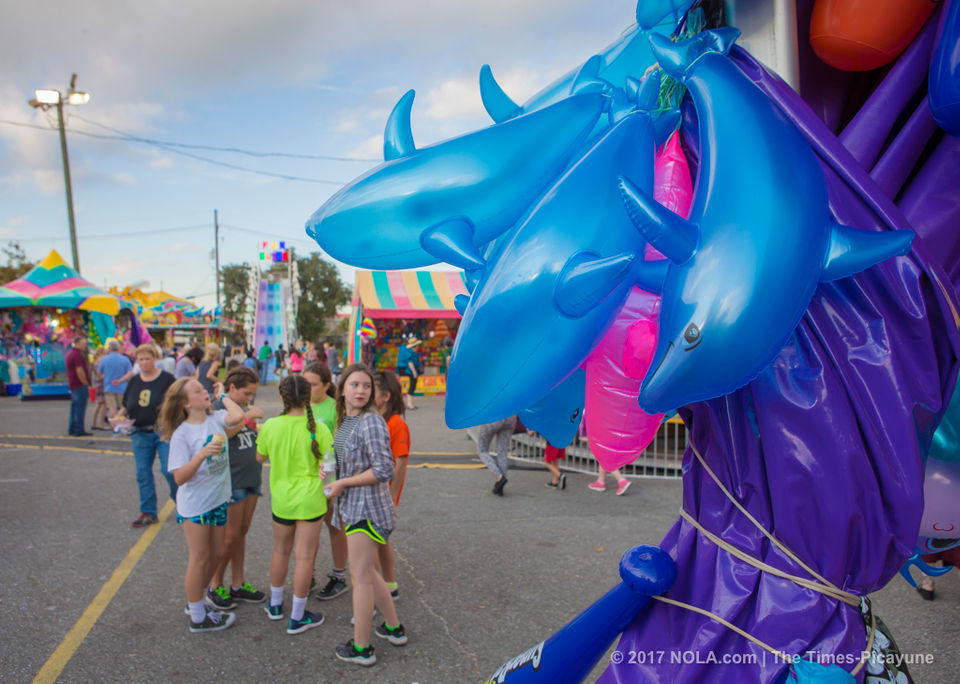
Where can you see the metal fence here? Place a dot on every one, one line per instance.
(661, 458)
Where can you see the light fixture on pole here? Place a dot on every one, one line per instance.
(45, 99)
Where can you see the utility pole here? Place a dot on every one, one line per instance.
(216, 249)
(66, 180)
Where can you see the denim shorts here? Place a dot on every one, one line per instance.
(216, 517)
(238, 495)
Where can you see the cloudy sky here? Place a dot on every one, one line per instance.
(293, 77)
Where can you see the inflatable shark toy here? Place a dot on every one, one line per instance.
(475, 186)
(741, 271)
(558, 289)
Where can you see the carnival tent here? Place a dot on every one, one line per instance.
(410, 295)
(54, 284)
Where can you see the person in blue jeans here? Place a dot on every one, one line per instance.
(78, 381)
(141, 402)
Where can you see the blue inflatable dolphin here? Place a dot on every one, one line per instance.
(742, 270)
(466, 191)
(553, 286)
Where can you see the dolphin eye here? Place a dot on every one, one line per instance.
(691, 334)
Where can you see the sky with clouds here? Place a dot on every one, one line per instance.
(298, 77)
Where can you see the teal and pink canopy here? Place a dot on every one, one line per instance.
(52, 283)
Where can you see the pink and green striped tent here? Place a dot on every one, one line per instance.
(52, 283)
(403, 294)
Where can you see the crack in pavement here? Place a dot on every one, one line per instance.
(431, 611)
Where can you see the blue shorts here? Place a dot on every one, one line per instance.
(238, 495)
(216, 517)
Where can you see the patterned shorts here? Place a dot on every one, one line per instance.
(216, 517)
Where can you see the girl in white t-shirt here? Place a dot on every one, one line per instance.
(199, 463)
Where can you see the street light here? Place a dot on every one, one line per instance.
(45, 99)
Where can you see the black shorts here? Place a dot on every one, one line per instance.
(413, 380)
(291, 523)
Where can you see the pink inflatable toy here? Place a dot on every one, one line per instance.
(618, 429)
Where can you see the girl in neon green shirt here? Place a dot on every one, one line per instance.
(295, 444)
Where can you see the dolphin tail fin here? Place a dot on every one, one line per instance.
(452, 241)
(852, 250)
(587, 279)
(588, 78)
(497, 103)
(675, 237)
(398, 136)
(675, 58)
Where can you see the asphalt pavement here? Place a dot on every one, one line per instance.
(85, 597)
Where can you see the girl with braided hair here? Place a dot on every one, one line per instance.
(295, 444)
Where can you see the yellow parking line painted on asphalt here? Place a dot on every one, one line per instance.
(449, 466)
(443, 453)
(71, 642)
(66, 437)
(64, 448)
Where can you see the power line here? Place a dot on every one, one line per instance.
(123, 135)
(127, 234)
(173, 149)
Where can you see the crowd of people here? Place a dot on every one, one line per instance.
(338, 453)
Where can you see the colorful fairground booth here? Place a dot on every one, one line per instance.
(391, 306)
(40, 314)
(173, 321)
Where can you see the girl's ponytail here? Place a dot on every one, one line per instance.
(295, 393)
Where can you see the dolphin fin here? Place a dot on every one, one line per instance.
(675, 237)
(587, 79)
(452, 241)
(398, 136)
(472, 276)
(460, 303)
(651, 274)
(675, 58)
(497, 103)
(649, 91)
(852, 250)
(633, 87)
(586, 280)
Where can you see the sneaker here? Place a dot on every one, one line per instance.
(552, 485)
(213, 622)
(274, 612)
(348, 652)
(144, 520)
(598, 486)
(498, 487)
(308, 621)
(395, 594)
(622, 486)
(220, 598)
(247, 593)
(563, 481)
(397, 636)
(332, 589)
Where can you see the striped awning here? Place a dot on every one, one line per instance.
(409, 294)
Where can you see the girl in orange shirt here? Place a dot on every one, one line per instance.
(389, 402)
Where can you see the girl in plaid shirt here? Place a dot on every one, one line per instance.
(366, 511)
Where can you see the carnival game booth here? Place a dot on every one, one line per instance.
(40, 314)
(390, 306)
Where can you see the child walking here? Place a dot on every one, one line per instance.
(245, 479)
(200, 466)
(362, 447)
(295, 444)
(389, 401)
(324, 408)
